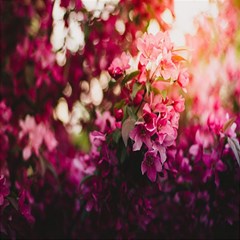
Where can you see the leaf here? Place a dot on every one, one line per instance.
(112, 83)
(177, 58)
(42, 165)
(29, 75)
(123, 155)
(234, 144)
(13, 201)
(155, 90)
(148, 87)
(127, 127)
(86, 178)
(116, 135)
(119, 104)
(164, 94)
(51, 169)
(228, 124)
(136, 88)
(130, 76)
(161, 79)
(131, 113)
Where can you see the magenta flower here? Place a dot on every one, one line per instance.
(179, 104)
(183, 79)
(214, 165)
(151, 165)
(97, 138)
(105, 121)
(80, 167)
(4, 189)
(119, 65)
(24, 204)
(168, 68)
(149, 118)
(140, 134)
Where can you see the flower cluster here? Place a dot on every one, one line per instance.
(155, 121)
(37, 134)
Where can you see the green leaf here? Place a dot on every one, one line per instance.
(123, 155)
(131, 113)
(148, 87)
(234, 144)
(13, 201)
(136, 88)
(130, 76)
(161, 79)
(155, 90)
(116, 135)
(119, 104)
(127, 127)
(164, 94)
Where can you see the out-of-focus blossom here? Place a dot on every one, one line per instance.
(4, 190)
(105, 121)
(37, 134)
(151, 165)
(183, 79)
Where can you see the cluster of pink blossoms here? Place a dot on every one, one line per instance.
(37, 135)
(159, 70)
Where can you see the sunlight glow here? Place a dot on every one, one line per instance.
(185, 12)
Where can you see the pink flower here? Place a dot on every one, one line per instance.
(149, 118)
(24, 202)
(202, 139)
(37, 134)
(151, 165)
(167, 136)
(179, 104)
(119, 65)
(27, 126)
(183, 79)
(140, 134)
(105, 121)
(147, 45)
(97, 139)
(151, 46)
(168, 68)
(214, 165)
(49, 138)
(80, 167)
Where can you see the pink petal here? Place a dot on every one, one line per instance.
(194, 149)
(220, 166)
(138, 144)
(143, 167)
(158, 165)
(27, 152)
(152, 174)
